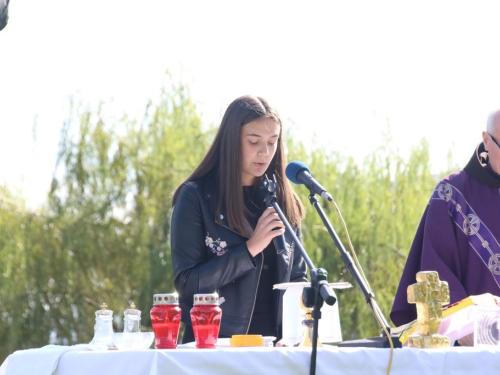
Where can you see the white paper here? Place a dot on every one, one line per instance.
(329, 329)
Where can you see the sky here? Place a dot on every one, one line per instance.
(337, 71)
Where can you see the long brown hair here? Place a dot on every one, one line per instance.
(222, 164)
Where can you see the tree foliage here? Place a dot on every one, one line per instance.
(381, 202)
(103, 235)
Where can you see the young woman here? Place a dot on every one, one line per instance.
(221, 230)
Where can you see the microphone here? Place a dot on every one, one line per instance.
(267, 191)
(280, 244)
(298, 173)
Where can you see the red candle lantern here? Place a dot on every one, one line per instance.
(205, 317)
(166, 319)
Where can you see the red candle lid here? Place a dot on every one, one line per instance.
(166, 299)
(206, 299)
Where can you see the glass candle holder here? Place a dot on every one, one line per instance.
(103, 329)
(166, 319)
(132, 319)
(205, 317)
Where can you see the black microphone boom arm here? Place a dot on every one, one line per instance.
(320, 288)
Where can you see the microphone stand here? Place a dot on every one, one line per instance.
(320, 291)
(374, 342)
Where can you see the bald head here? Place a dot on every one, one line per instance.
(493, 123)
(491, 139)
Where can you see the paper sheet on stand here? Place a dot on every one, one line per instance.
(329, 329)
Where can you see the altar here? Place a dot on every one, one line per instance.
(80, 360)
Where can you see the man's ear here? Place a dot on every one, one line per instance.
(486, 140)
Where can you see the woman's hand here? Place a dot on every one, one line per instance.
(265, 231)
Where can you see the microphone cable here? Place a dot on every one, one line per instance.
(376, 311)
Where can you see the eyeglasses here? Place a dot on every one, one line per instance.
(494, 140)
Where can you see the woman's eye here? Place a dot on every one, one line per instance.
(271, 143)
(253, 143)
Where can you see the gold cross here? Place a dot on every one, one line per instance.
(429, 293)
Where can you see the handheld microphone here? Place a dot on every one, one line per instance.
(299, 173)
(267, 191)
(280, 244)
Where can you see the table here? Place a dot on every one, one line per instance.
(227, 360)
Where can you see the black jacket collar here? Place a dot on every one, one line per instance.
(476, 167)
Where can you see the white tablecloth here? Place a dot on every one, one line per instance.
(227, 360)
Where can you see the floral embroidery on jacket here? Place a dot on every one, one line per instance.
(218, 247)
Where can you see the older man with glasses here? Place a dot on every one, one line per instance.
(459, 233)
(492, 147)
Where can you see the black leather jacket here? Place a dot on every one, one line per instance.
(209, 257)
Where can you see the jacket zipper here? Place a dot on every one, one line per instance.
(258, 279)
(290, 264)
(287, 277)
(255, 295)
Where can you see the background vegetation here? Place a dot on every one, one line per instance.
(103, 234)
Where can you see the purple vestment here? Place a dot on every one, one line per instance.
(458, 237)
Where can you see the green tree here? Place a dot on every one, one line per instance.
(16, 302)
(381, 201)
(104, 234)
(104, 237)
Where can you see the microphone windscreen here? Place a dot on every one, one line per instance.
(293, 169)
